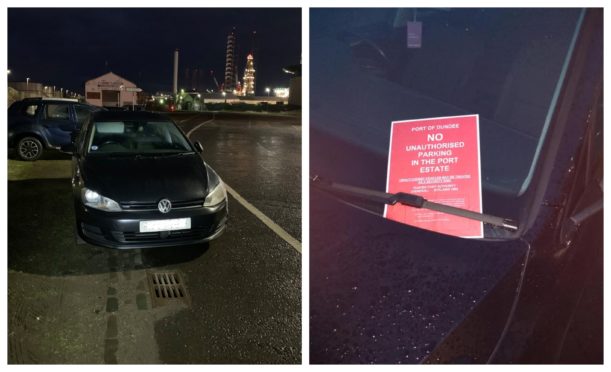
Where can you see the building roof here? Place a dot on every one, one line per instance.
(111, 75)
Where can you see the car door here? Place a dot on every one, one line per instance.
(57, 121)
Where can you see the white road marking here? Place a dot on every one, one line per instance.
(197, 126)
(266, 220)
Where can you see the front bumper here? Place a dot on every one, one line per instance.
(11, 138)
(121, 229)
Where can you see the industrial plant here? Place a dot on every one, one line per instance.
(192, 94)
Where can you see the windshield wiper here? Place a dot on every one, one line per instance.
(161, 154)
(411, 200)
(175, 153)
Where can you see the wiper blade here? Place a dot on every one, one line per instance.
(175, 153)
(162, 154)
(412, 200)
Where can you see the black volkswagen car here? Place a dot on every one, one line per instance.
(138, 182)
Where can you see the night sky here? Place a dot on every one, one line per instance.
(66, 47)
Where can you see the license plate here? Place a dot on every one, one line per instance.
(165, 225)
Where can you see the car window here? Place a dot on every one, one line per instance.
(372, 67)
(57, 111)
(31, 110)
(136, 137)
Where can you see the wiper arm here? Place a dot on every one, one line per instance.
(411, 200)
(162, 154)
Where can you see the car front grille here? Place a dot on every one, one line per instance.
(177, 235)
(181, 204)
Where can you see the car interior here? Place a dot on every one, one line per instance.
(134, 137)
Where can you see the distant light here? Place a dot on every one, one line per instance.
(8, 72)
(281, 92)
(161, 101)
(267, 90)
(199, 95)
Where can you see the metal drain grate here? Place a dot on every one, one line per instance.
(167, 287)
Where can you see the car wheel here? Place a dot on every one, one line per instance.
(29, 148)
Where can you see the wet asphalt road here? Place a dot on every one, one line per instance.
(259, 158)
(70, 303)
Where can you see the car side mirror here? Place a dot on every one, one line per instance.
(198, 146)
(68, 149)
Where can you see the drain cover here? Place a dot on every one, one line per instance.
(167, 287)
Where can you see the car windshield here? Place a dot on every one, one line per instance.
(136, 137)
(374, 66)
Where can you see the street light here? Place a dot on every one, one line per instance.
(27, 83)
(8, 72)
(267, 90)
(120, 91)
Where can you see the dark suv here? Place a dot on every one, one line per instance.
(35, 124)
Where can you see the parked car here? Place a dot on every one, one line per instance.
(138, 182)
(36, 124)
(386, 292)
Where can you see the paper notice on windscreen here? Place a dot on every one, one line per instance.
(414, 34)
(439, 159)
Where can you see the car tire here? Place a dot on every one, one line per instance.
(29, 149)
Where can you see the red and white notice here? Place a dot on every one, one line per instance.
(439, 159)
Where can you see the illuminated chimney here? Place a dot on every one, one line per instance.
(249, 76)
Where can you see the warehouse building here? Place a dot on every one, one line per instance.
(111, 90)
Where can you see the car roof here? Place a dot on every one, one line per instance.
(50, 99)
(129, 115)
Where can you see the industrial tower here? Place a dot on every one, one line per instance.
(249, 76)
(230, 70)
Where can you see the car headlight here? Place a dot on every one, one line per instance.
(216, 196)
(94, 200)
(218, 193)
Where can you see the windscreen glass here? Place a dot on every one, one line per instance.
(137, 137)
(370, 67)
